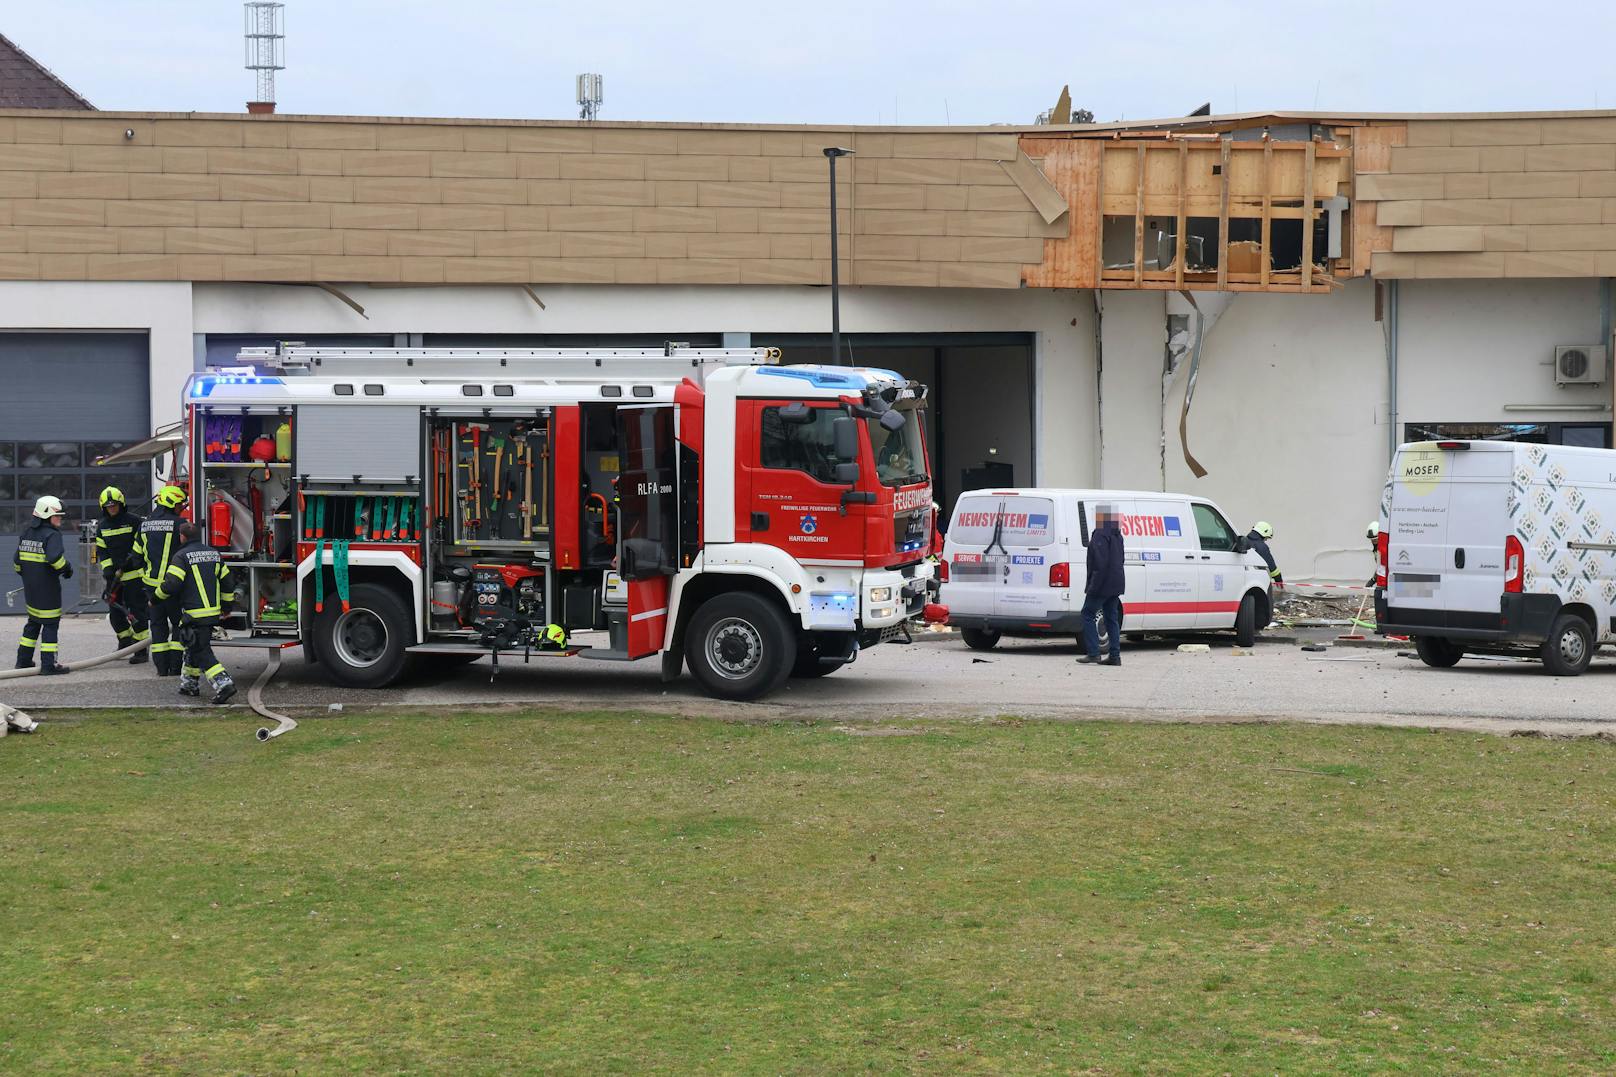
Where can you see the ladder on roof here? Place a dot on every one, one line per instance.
(672, 361)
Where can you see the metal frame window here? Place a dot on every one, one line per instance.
(1594, 435)
(31, 469)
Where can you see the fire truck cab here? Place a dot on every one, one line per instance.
(390, 507)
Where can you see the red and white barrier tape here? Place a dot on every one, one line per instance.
(1328, 586)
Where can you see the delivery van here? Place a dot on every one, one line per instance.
(1013, 565)
(1497, 546)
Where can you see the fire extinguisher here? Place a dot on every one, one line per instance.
(219, 523)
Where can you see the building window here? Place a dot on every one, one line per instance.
(1586, 435)
(30, 470)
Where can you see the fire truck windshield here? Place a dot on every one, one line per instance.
(900, 455)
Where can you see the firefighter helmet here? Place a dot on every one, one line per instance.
(111, 493)
(48, 506)
(1264, 529)
(171, 497)
(555, 636)
(1372, 532)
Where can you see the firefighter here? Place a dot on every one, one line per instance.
(154, 548)
(124, 593)
(1372, 533)
(1262, 533)
(42, 563)
(199, 581)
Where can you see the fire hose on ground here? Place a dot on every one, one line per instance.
(11, 717)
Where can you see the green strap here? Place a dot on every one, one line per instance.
(392, 518)
(319, 575)
(308, 517)
(339, 555)
(359, 518)
(319, 517)
(406, 512)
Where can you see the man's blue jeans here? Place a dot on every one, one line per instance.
(1111, 608)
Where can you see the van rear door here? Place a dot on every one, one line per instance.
(1027, 543)
(1449, 516)
(998, 550)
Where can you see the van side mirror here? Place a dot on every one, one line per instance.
(844, 439)
(1241, 545)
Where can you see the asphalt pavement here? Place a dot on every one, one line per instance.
(938, 677)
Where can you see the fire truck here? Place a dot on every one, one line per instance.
(397, 507)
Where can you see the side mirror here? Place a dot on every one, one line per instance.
(893, 420)
(844, 439)
(797, 414)
(846, 474)
(641, 559)
(1241, 545)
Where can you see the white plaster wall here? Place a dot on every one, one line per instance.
(162, 310)
(1289, 421)
(1062, 323)
(1133, 329)
(1468, 348)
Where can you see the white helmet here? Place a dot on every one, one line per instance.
(48, 506)
(1372, 532)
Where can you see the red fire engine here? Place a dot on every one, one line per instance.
(399, 505)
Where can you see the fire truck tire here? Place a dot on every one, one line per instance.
(740, 646)
(980, 639)
(364, 647)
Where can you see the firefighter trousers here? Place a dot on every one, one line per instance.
(127, 613)
(38, 633)
(166, 648)
(199, 660)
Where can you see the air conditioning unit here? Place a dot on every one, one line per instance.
(1579, 364)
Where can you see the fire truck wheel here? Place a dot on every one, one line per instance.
(364, 647)
(979, 639)
(740, 646)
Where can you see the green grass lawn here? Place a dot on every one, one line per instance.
(619, 893)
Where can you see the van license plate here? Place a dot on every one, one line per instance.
(1415, 584)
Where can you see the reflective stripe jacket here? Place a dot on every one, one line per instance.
(1260, 545)
(201, 579)
(155, 543)
(41, 561)
(115, 545)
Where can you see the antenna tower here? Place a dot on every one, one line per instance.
(266, 44)
(590, 96)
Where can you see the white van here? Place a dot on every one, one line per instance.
(1499, 546)
(1014, 565)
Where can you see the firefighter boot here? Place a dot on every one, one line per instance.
(49, 667)
(190, 681)
(224, 689)
(25, 657)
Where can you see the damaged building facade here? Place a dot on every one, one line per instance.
(1256, 308)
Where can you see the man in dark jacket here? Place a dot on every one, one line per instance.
(42, 563)
(121, 571)
(1103, 588)
(1261, 534)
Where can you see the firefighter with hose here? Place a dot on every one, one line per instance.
(42, 563)
(124, 593)
(156, 542)
(198, 580)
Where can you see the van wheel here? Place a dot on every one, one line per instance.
(1245, 622)
(980, 639)
(1569, 648)
(364, 647)
(1437, 653)
(739, 646)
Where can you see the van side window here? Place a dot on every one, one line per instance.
(808, 447)
(1216, 534)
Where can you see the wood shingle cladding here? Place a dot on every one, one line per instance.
(104, 196)
(1491, 196)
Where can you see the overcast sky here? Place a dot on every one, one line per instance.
(829, 61)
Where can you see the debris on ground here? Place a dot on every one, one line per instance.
(1193, 648)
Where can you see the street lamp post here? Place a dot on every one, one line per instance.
(831, 153)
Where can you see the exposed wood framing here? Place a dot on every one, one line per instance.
(1267, 210)
(1307, 221)
(1181, 255)
(1223, 218)
(1071, 260)
(1371, 152)
(1139, 220)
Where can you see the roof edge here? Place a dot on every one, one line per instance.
(53, 76)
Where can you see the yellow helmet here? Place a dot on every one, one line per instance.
(111, 493)
(555, 636)
(171, 497)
